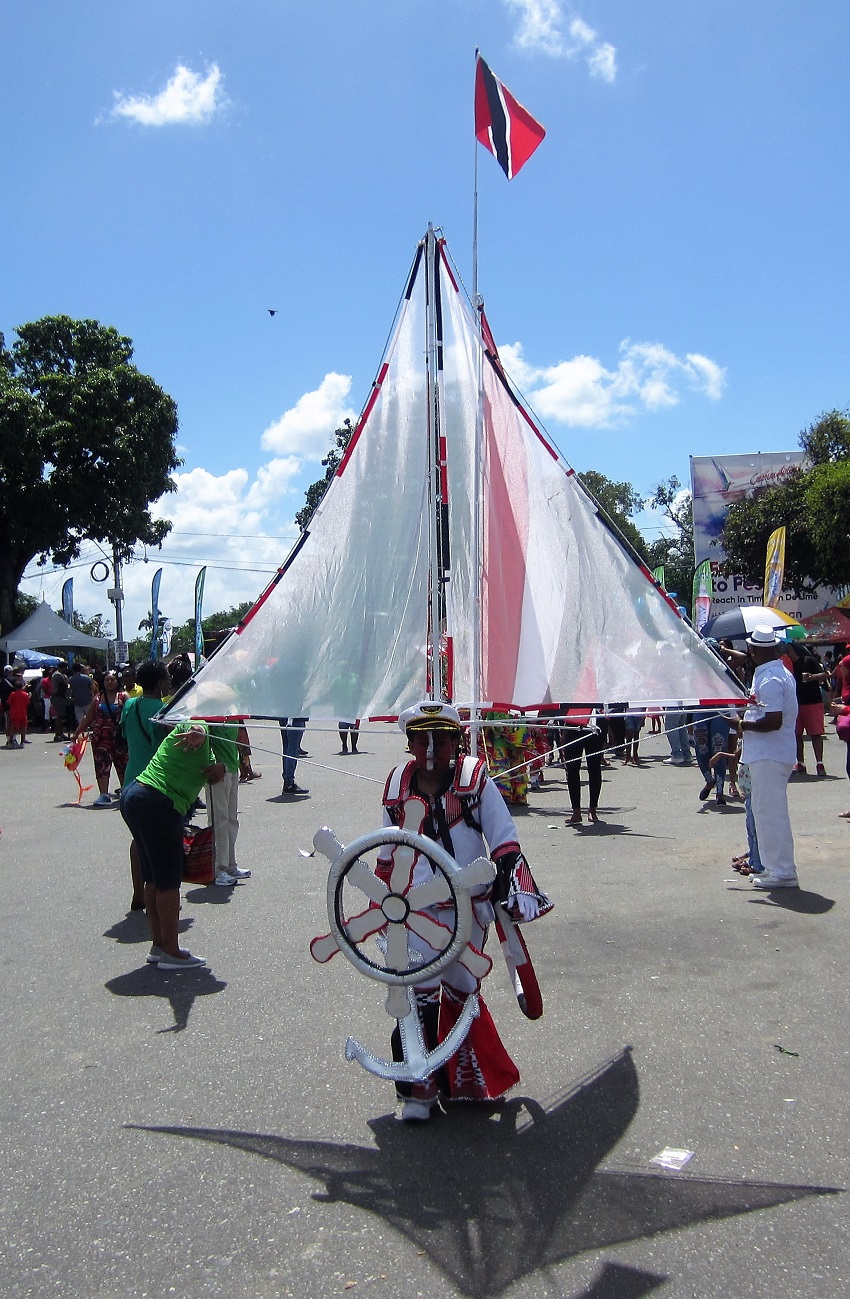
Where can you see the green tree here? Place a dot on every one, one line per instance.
(86, 445)
(619, 501)
(332, 461)
(183, 637)
(814, 507)
(675, 552)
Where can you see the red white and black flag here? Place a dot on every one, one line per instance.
(501, 124)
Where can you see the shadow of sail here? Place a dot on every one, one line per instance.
(492, 1194)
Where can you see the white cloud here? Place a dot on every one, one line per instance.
(188, 97)
(541, 30)
(583, 393)
(540, 25)
(307, 428)
(602, 61)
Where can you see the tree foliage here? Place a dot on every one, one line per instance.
(620, 501)
(675, 552)
(813, 505)
(86, 445)
(314, 493)
(183, 637)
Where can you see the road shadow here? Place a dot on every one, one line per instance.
(211, 894)
(134, 928)
(494, 1194)
(801, 900)
(178, 987)
(616, 1281)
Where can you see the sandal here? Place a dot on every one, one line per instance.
(575, 819)
(591, 816)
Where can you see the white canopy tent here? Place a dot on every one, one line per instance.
(44, 629)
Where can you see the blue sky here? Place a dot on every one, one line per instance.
(667, 276)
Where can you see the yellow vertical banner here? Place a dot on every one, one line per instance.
(774, 568)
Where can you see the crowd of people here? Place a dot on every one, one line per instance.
(160, 774)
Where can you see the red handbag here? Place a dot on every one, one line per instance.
(199, 855)
(842, 727)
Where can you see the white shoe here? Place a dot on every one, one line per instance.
(415, 1112)
(765, 881)
(238, 873)
(185, 962)
(223, 880)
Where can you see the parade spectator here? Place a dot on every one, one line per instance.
(18, 703)
(291, 733)
(7, 685)
(154, 807)
(349, 731)
(223, 802)
(60, 704)
(142, 737)
(676, 730)
(769, 749)
(109, 748)
(581, 734)
(128, 677)
(633, 723)
(711, 740)
(809, 676)
(46, 692)
(82, 690)
(840, 710)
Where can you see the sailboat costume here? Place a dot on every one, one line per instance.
(464, 813)
(492, 560)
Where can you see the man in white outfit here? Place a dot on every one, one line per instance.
(770, 751)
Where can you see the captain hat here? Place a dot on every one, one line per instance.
(430, 715)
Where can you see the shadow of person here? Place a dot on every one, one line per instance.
(494, 1194)
(210, 894)
(616, 1281)
(179, 988)
(134, 928)
(801, 900)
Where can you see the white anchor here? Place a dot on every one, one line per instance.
(395, 910)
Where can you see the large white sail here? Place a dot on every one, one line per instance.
(561, 610)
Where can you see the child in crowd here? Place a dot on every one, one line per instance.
(18, 705)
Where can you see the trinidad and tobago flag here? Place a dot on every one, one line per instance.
(501, 124)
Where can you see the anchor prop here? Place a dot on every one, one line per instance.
(398, 908)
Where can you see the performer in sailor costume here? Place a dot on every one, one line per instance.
(450, 799)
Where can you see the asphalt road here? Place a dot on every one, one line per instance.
(201, 1134)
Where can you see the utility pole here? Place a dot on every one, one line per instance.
(116, 595)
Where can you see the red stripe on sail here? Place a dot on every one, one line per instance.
(361, 423)
(505, 541)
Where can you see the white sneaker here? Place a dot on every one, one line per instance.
(238, 873)
(765, 881)
(185, 962)
(415, 1112)
(223, 880)
(155, 955)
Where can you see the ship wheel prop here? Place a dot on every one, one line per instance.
(381, 941)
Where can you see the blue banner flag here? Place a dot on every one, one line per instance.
(199, 630)
(154, 654)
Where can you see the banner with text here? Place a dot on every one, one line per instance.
(718, 481)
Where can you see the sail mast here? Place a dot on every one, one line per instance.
(437, 482)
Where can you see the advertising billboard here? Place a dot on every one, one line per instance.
(717, 481)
